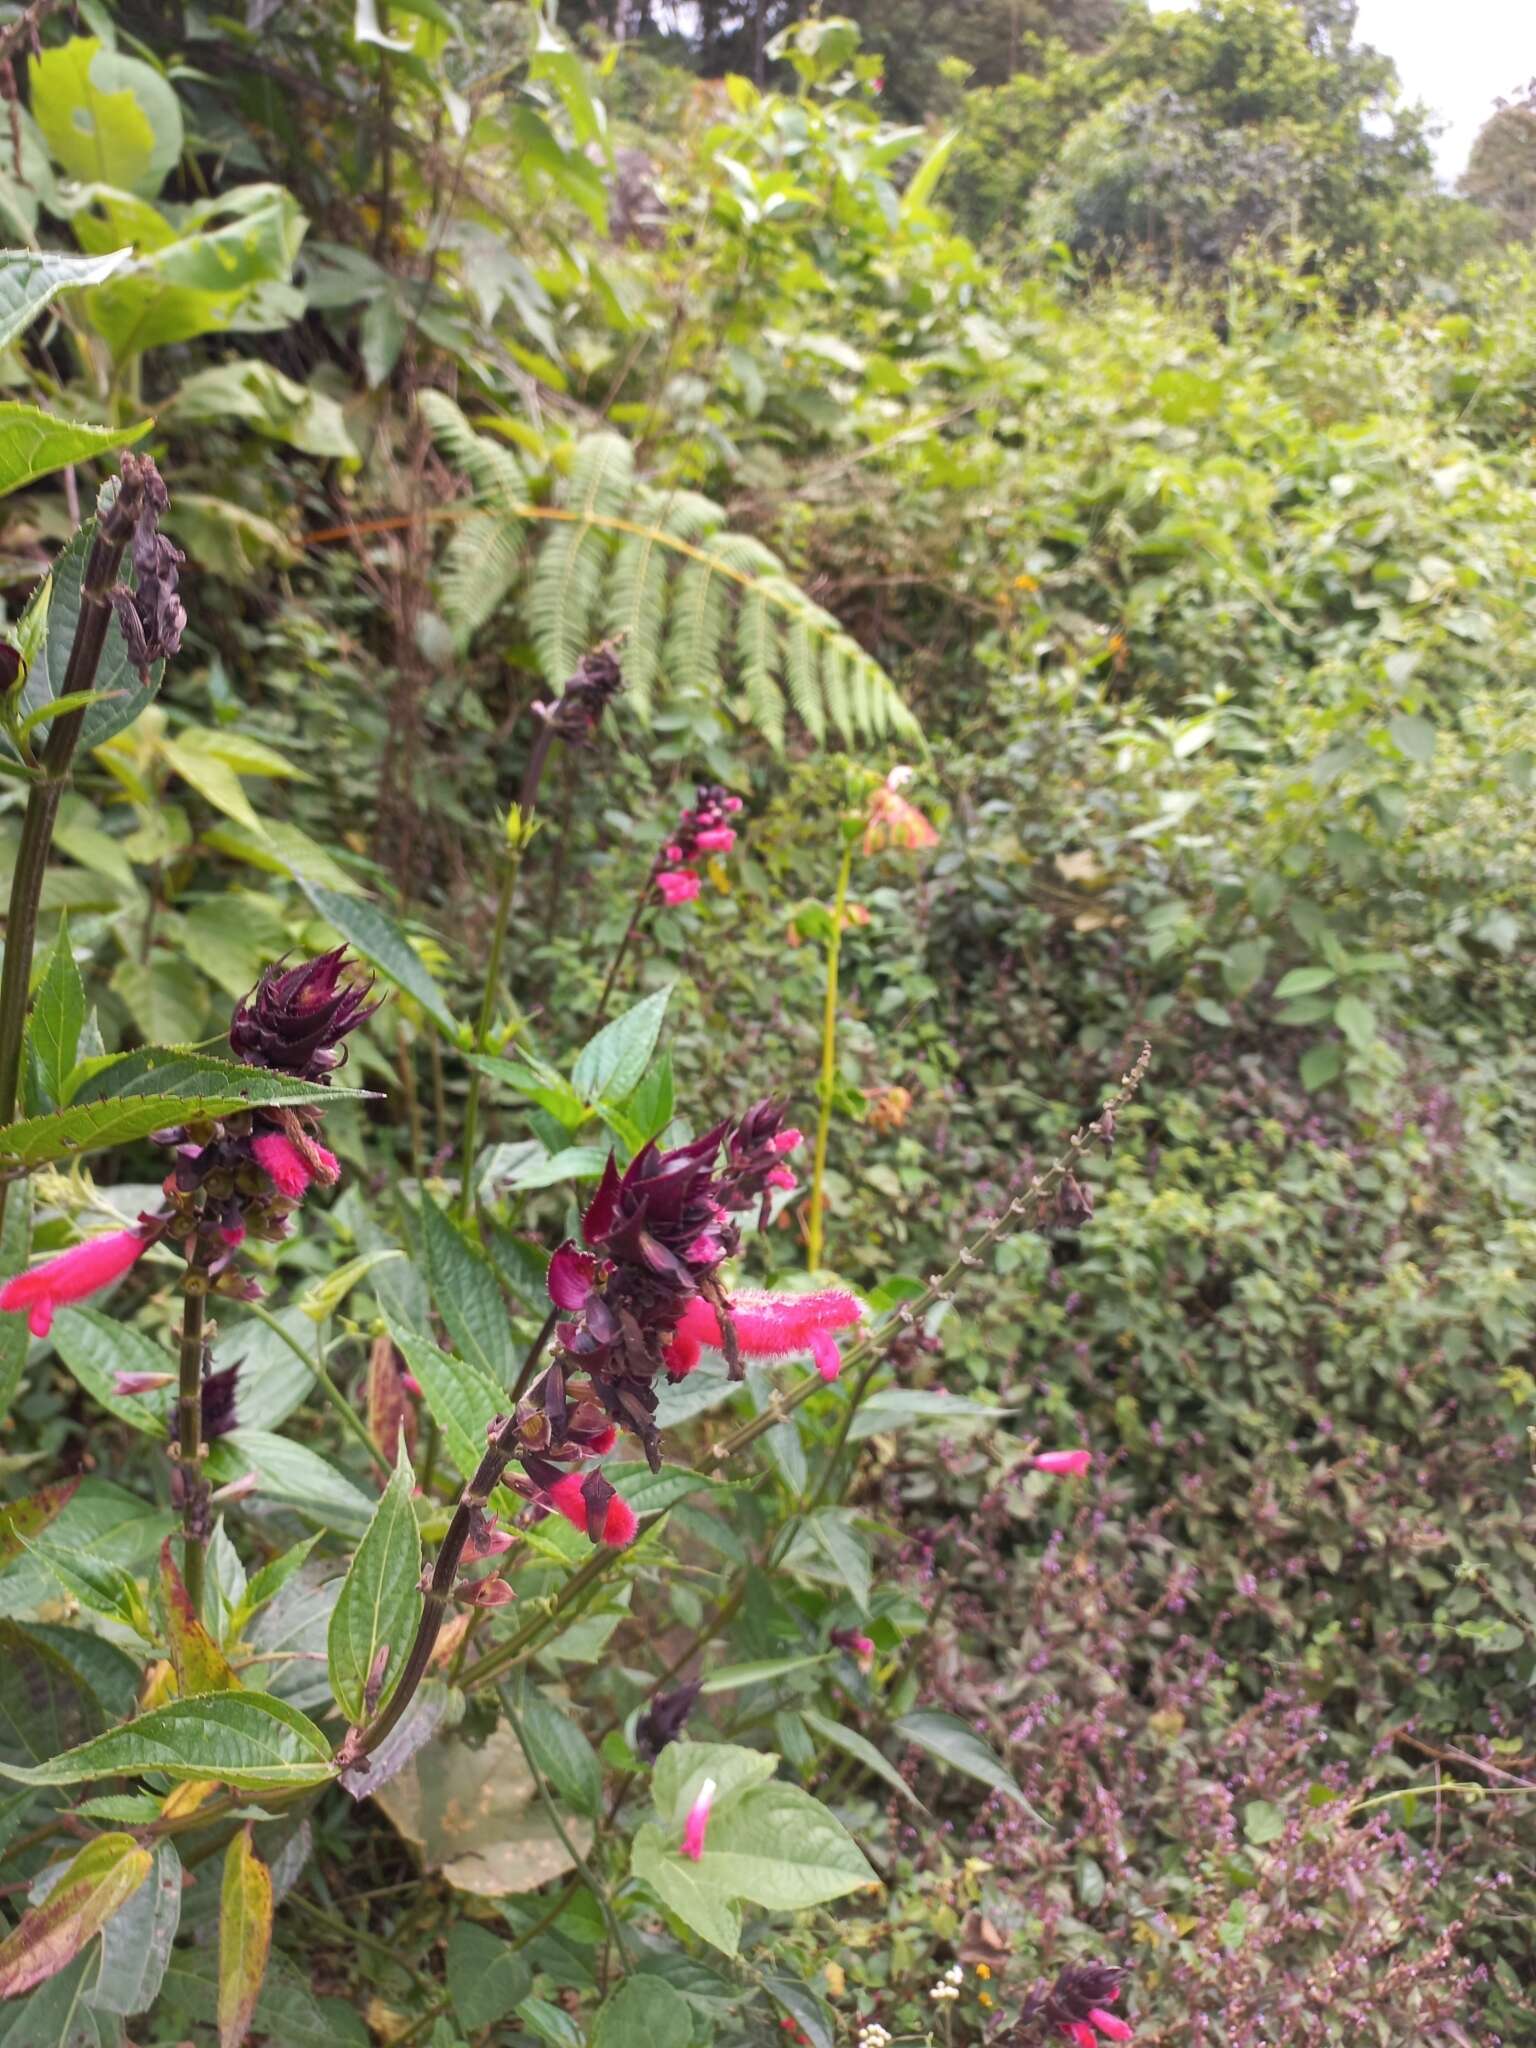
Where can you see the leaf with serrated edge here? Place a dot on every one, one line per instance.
(380, 1602)
(98, 1880)
(247, 1740)
(782, 1849)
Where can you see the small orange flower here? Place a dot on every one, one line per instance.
(892, 821)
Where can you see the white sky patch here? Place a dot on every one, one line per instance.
(1458, 56)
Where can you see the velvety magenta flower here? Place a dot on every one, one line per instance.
(141, 1382)
(619, 1525)
(715, 839)
(71, 1276)
(855, 1643)
(769, 1326)
(677, 885)
(697, 1821)
(1064, 1464)
(293, 1167)
(1075, 2008)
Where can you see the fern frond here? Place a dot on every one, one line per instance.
(758, 653)
(481, 567)
(494, 471)
(658, 568)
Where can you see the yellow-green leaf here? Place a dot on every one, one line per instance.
(245, 1937)
(104, 1874)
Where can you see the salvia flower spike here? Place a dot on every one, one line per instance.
(295, 1019)
(700, 831)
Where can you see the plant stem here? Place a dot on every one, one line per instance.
(617, 961)
(445, 1569)
(101, 567)
(510, 863)
(828, 1083)
(598, 1891)
(189, 1439)
(348, 1415)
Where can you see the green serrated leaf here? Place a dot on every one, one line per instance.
(956, 1743)
(380, 1602)
(612, 1063)
(33, 443)
(58, 1014)
(31, 278)
(247, 1740)
(373, 933)
(467, 1296)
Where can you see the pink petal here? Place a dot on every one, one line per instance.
(1064, 1464)
(621, 1524)
(677, 886)
(829, 1360)
(570, 1277)
(283, 1164)
(567, 1498)
(71, 1276)
(715, 839)
(1111, 2027)
(698, 1821)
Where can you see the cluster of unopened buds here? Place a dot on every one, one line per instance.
(701, 830)
(233, 1177)
(873, 2035)
(641, 1296)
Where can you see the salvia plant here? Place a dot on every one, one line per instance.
(537, 1440)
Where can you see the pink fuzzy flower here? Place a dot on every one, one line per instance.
(71, 1277)
(620, 1524)
(698, 1821)
(1064, 1464)
(677, 886)
(781, 1177)
(769, 1326)
(1080, 2032)
(788, 1141)
(715, 839)
(290, 1170)
(1110, 2025)
(141, 1382)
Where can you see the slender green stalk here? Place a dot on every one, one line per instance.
(828, 1082)
(617, 961)
(346, 1413)
(510, 863)
(101, 567)
(598, 1890)
(189, 1437)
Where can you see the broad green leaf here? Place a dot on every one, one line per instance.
(98, 1879)
(247, 1740)
(245, 1936)
(31, 278)
(1303, 981)
(921, 185)
(1414, 737)
(103, 1587)
(685, 1889)
(895, 1407)
(274, 405)
(196, 1659)
(561, 1753)
(58, 1014)
(487, 1977)
(34, 443)
(732, 1677)
(831, 1532)
(166, 997)
(1263, 1822)
(381, 1600)
(47, 1703)
(136, 1942)
(461, 1399)
(60, 2014)
(549, 1091)
(21, 1520)
(102, 1521)
(782, 1849)
(575, 1162)
(1321, 1064)
(612, 1064)
(643, 2012)
(956, 1743)
(268, 1582)
(467, 1297)
(321, 1298)
(1357, 1021)
(293, 1474)
(682, 1768)
(213, 779)
(374, 934)
(108, 119)
(95, 1347)
(853, 1744)
(15, 1337)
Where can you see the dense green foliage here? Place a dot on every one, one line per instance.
(1193, 580)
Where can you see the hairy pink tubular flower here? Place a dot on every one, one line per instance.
(1080, 2032)
(781, 1177)
(715, 839)
(678, 885)
(698, 1821)
(1110, 2025)
(71, 1276)
(141, 1382)
(620, 1523)
(769, 1326)
(289, 1171)
(1064, 1464)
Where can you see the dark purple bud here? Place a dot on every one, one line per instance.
(151, 614)
(664, 1719)
(295, 1018)
(578, 711)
